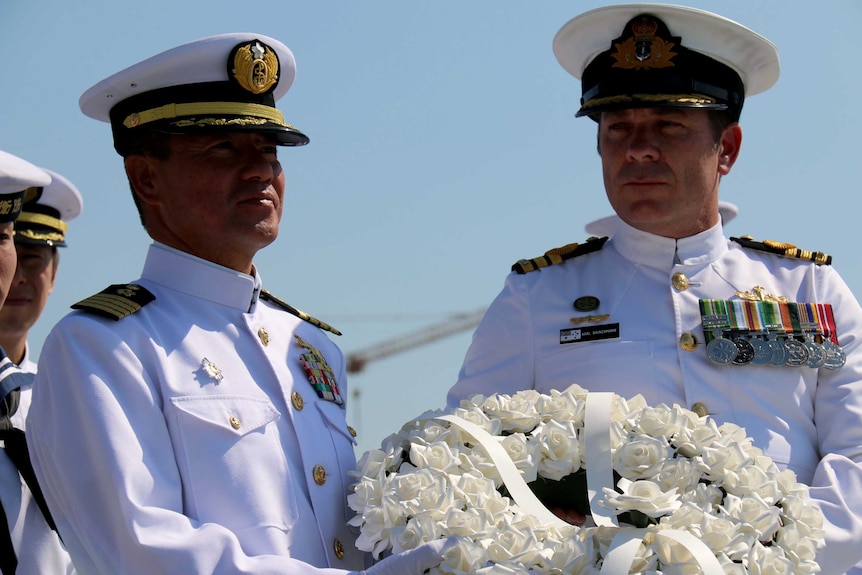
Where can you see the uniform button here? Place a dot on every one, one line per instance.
(297, 401)
(700, 409)
(351, 431)
(235, 423)
(679, 281)
(338, 547)
(319, 474)
(264, 336)
(687, 341)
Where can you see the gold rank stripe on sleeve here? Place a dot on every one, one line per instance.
(784, 249)
(266, 296)
(559, 255)
(116, 301)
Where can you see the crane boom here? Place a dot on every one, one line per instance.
(357, 360)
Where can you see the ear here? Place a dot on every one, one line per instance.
(731, 142)
(141, 172)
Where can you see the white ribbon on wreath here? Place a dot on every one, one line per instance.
(599, 464)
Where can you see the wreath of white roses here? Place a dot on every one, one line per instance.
(669, 492)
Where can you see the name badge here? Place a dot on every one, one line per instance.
(590, 333)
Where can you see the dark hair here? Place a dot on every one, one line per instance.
(145, 143)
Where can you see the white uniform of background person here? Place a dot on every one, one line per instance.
(643, 292)
(174, 426)
(37, 548)
(42, 225)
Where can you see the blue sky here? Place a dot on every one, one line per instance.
(443, 148)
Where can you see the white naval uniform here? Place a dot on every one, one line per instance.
(37, 546)
(809, 420)
(153, 463)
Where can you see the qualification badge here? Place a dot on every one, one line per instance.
(319, 373)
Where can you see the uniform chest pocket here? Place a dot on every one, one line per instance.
(596, 366)
(232, 462)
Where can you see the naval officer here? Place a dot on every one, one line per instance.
(28, 544)
(763, 334)
(191, 421)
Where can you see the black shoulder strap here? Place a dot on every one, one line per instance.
(266, 296)
(116, 301)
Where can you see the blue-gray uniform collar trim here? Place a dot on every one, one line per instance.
(663, 253)
(200, 278)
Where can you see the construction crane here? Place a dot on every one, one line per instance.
(357, 360)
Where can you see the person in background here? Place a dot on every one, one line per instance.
(39, 231)
(191, 421)
(28, 544)
(758, 333)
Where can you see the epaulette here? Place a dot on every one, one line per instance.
(559, 255)
(117, 301)
(784, 249)
(266, 296)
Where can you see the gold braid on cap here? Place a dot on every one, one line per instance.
(675, 98)
(169, 111)
(43, 220)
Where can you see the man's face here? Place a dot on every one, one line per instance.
(218, 197)
(32, 283)
(662, 168)
(8, 258)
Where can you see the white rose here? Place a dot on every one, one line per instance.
(689, 516)
(753, 479)
(376, 463)
(477, 417)
(366, 493)
(516, 412)
(642, 457)
(468, 522)
(723, 535)
(691, 441)
(704, 495)
(789, 485)
(509, 542)
(409, 482)
(573, 554)
(561, 406)
(642, 495)
(729, 566)
(478, 461)
(472, 489)
(768, 561)
(466, 556)
(679, 473)
(501, 569)
(661, 420)
(417, 531)
(435, 500)
(560, 450)
(722, 460)
(437, 456)
(753, 514)
(524, 454)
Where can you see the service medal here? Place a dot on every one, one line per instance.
(835, 356)
(797, 353)
(745, 351)
(721, 350)
(762, 351)
(816, 352)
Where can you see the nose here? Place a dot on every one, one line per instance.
(260, 165)
(642, 146)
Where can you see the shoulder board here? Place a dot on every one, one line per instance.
(266, 296)
(117, 301)
(784, 249)
(559, 255)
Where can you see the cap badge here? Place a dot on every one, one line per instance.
(644, 49)
(255, 67)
